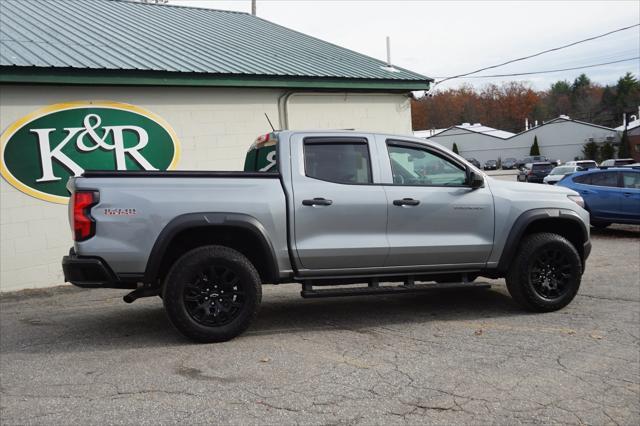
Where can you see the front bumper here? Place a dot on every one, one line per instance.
(91, 272)
(586, 250)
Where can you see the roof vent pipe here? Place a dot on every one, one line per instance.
(389, 52)
(526, 123)
(253, 7)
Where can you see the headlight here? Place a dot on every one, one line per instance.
(576, 199)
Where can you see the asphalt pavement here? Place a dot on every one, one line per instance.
(71, 356)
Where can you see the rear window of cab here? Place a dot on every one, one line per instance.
(261, 156)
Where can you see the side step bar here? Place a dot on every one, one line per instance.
(309, 292)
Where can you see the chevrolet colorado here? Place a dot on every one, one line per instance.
(321, 209)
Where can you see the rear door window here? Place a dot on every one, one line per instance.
(346, 162)
(605, 179)
(583, 179)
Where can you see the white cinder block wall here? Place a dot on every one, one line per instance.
(215, 126)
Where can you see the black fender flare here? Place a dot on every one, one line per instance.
(205, 219)
(527, 218)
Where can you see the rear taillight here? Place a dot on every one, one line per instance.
(84, 227)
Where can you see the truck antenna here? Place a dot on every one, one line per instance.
(272, 128)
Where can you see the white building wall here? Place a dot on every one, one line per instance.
(558, 140)
(215, 126)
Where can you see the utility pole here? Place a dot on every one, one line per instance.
(253, 7)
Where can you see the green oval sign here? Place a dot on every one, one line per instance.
(43, 149)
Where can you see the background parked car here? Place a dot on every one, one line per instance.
(509, 163)
(617, 162)
(491, 165)
(474, 162)
(585, 164)
(560, 172)
(532, 159)
(610, 196)
(534, 172)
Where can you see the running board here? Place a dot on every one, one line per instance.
(308, 292)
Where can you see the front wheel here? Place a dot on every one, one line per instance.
(545, 274)
(212, 294)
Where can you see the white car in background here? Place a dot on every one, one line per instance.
(585, 164)
(559, 172)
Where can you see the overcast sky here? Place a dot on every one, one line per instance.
(446, 38)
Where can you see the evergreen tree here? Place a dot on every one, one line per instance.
(535, 149)
(455, 148)
(590, 151)
(607, 150)
(623, 150)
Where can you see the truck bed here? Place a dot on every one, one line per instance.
(135, 207)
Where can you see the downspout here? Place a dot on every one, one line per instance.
(283, 109)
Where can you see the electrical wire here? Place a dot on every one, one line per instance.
(537, 54)
(551, 71)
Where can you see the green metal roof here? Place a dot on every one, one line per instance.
(123, 42)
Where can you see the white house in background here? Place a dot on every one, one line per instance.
(559, 139)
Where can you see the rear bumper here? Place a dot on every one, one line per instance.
(93, 272)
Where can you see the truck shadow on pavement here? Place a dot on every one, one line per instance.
(115, 326)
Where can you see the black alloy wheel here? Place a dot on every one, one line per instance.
(545, 273)
(550, 273)
(214, 296)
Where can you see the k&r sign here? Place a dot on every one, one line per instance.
(42, 150)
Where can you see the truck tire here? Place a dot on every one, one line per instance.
(212, 294)
(545, 274)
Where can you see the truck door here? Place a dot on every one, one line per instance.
(340, 215)
(435, 218)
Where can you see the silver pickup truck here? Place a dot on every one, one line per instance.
(324, 209)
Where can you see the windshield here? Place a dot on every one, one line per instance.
(562, 170)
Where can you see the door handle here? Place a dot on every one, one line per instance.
(317, 202)
(627, 194)
(406, 202)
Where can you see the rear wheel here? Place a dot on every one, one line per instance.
(212, 294)
(545, 274)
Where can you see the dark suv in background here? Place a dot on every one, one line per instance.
(534, 172)
(509, 163)
(532, 159)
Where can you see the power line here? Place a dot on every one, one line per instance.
(537, 54)
(550, 71)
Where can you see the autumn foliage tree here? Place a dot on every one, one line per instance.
(506, 106)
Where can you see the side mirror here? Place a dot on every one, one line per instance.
(475, 180)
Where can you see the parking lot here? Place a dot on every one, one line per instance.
(78, 356)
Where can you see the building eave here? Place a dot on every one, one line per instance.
(76, 76)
